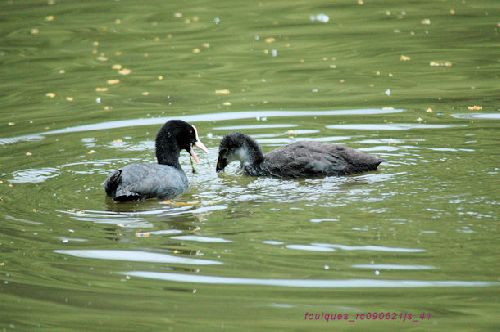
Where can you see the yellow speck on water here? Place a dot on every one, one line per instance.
(360, 2)
(28, 154)
(452, 11)
(11, 123)
(117, 67)
(270, 40)
(426, 21)
(142, 234)
(167, 201)
(187, 21)
(178, 15)
(222, 92)
(118, 21)
(474, 108)
(160, 78)
(69, 98)
(96, 43)
(124, 71)
(102, 58)
(226, 103)
(113, 82)
(429, 110)
(196, 50)
(145, 93)
(34, 31)
(419, 119)
(11, 185)
(49, 18)
(266, 51)
(404, 58)
(51, 2)
(62, 71)
(108, 108)
(50, 95)
(91, 152)
(440, 64)
(118, 140)
(101, 89)
(206, 45)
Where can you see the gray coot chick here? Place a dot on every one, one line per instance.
(164, 180)
(300, 159)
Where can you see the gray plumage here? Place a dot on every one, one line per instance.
(300, 159)
(164, 180)
(141, 181)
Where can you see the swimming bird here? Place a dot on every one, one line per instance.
(163, 180)
(296, 160)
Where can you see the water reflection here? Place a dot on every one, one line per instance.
(306, 283)
(135, 256)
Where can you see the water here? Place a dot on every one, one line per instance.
(86, 86)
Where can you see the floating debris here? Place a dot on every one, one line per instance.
(102, 58)
(98, 100)
(142, 234)
(124, 71)
(270, 40)
(34, 31)
(113, 82)
(62, 71)
(428, 110)
(274, 52)
(206, 45)
(226, 103)
(216, 20)
(426, 21)
(117, 67)
(178, 15)
(118, 21)
(419, 119)
(388, 92)
(11, 123)
(404, 58)
(322, 18)
(101, 89)
(222, 92)
(49, 18)
(440, 64)
(145, 93)
(474, 108)
(50, 95)
(196, 50)
(452, 11)
(28, 154)
(160, 78)
(69, 98)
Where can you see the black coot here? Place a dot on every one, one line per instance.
(164, 180)
(300, 159)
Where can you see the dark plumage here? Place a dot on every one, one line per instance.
(300, 159)
(164, 180)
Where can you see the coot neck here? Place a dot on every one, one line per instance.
(250, 154)
(167, 150)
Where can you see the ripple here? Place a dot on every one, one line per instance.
(392, 267)
(367, 248)
(135, 256)
(478, 116)
(200, 239)
(398, 126)
(34, 175)
(309, 247)
(269, 126)
(306, 283)
(210, 117)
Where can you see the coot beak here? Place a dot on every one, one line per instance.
(199, 145)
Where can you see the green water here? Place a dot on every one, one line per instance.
(84, 86)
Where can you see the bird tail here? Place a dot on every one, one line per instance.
(112, 182)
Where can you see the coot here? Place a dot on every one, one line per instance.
(164, 180)
(300, 159)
